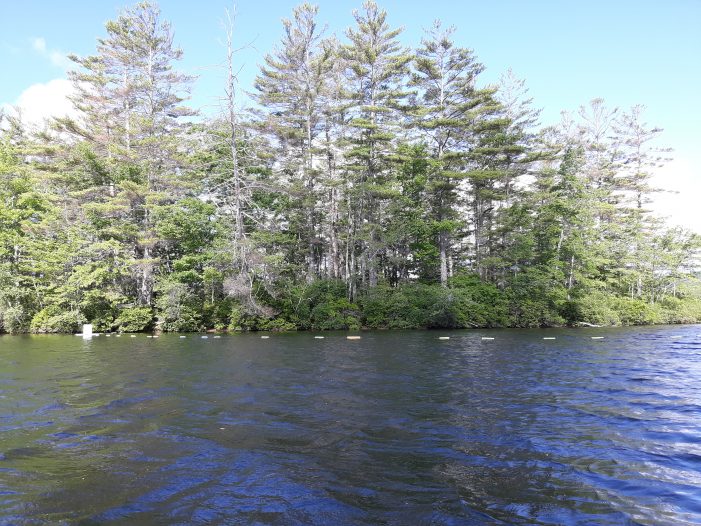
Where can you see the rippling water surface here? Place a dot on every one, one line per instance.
(395, 428)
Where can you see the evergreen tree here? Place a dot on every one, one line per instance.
(130, 103)
(291, 88)
(376, 67)
(445, 111)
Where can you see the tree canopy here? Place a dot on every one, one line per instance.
(366, 184)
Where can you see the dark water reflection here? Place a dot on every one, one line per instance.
(397, 428)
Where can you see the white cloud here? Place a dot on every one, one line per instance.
(44, 100)
(59, 59)
(39, 44)
(56, 57)
(680, 203)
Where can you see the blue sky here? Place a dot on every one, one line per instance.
(627, 52)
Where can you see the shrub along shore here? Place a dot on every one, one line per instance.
(323, 305)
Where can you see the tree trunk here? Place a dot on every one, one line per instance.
(442, 246)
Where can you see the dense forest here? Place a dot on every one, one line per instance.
(357, 183)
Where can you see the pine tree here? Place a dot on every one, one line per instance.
(291, 87)
(444, 112)
(130, 102)
(376, 67)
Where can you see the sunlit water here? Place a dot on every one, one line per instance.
(395, 428)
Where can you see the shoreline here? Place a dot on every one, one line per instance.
(207, 332)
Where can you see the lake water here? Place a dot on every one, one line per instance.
(395, 428)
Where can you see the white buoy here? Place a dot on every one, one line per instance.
(318, 337)
(597, 337)
(183, 337)
(487, 338)
(265, 337)
(548, 338)
(133, 336)
(444, 337)
(352, 337)
(675, 337)
(149, 336)
(204, 337)
(118, 336)
(217, 337)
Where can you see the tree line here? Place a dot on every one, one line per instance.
(365, 184)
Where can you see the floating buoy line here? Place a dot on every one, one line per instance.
(349, 337)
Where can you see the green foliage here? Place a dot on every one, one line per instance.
(536, 298)
(680, 310)
(595, 308)
(415, 306)
(186, 226)
(243, 321)
(99, 309)
(218, 314)
(373, 186)
(336, 314)
(134, 319)
(179, 307)
(184, 319)
(56, 318)
(324, 306)
(261, 323)
(637, 312)
(480, 304)
(14, 320)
